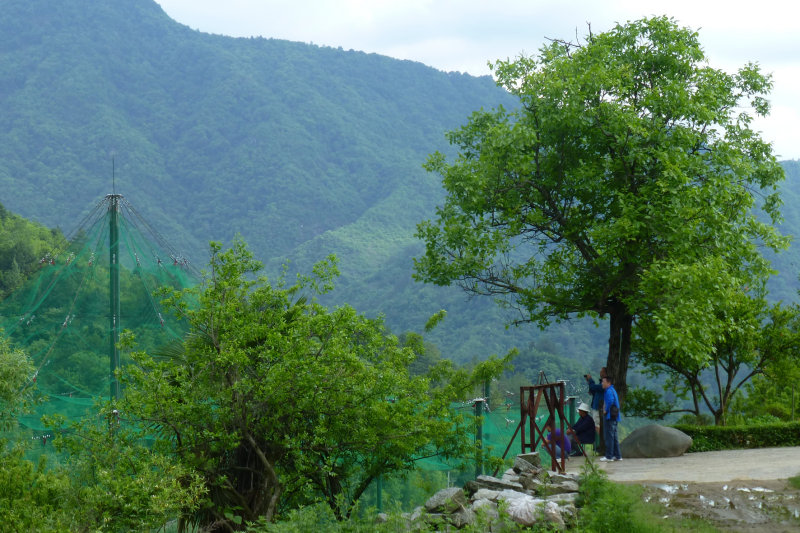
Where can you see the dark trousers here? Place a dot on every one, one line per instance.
(610, 437)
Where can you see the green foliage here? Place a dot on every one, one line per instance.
(752, 339)
(116, 481)
(772, 394)
(110, 482)
(606, 506)
(278, 402)
(32, 496)
(603, 503)
(695, 420)
(646, 403)
(756, 435)
(619, 188)
(16, 373)
(22, 245)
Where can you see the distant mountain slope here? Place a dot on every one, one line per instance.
(279, 140)
(302, 150)
(785, 285)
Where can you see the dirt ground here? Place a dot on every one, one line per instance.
(737, 490)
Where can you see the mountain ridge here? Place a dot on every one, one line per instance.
(302, 150)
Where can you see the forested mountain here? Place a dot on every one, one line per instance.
(22, 245)
(303, 150)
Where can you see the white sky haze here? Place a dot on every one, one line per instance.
(463, 35)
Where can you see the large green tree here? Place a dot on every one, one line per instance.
(628, 159)
(278, 402)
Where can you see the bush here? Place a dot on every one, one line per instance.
(711, 438)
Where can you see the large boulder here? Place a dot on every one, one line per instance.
(655, 441)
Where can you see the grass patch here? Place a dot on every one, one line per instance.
(795, 482)
(608, 506)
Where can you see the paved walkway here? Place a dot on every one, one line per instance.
(704, 467)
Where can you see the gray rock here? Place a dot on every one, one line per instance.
(472, 486)
(524, 459)
(417, 520)
(510, 476)
(562, 487)
(564, 497)
(552, 513)
(487, 515)
(486, 506)
(655, 441)
(530, 482)
(463, 517)
(490, 482)
(485, 494)
(558, 478)
(569, 511)
(416, 514)
(507, 495)
(524, 509)
(447, 501)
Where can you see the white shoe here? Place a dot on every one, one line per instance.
(619, 459)
(604, 459)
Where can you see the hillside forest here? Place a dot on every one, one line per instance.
(367, 250)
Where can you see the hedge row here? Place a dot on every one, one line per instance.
(711, 438)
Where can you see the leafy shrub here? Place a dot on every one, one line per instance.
(696, 420)
(710, 438)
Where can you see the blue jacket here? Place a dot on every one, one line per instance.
(596, 390)
(610, 398)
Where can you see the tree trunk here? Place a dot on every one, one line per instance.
(619, 348)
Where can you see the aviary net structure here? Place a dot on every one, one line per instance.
(69, 315)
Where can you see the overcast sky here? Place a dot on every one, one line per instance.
(463, 35)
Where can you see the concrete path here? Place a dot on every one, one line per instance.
(704, 467)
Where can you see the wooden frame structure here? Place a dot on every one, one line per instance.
(530, 399)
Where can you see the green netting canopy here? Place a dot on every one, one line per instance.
(69, 314)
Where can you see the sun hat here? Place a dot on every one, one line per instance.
(584, 407)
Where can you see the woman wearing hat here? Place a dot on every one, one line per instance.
(583, 432)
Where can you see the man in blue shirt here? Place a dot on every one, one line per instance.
(611, 411)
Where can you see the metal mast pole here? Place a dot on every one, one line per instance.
(113, 239)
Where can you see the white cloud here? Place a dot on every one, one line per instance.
(464, 35)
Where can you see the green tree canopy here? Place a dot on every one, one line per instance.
(752, 339)
(278, 402)
(628, 172)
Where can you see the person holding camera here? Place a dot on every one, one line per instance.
(596, 390)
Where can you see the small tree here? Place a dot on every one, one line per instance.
(628, 159)
(752, 339)
(277, 401)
